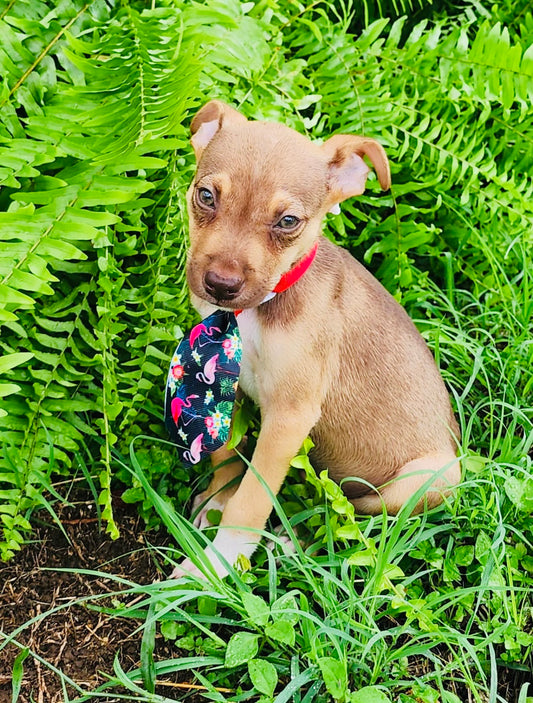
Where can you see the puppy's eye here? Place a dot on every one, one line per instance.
(288, 223)
(205, 198)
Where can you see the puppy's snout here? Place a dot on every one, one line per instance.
(222, 287)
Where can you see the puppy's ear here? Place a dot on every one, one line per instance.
(207, 122)
(348, 171)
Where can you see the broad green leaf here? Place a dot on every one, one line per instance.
(426, 694)
(239, 424)
(256, 609)
(334, 675)
(27, 281)
(169, 629)
(95, 198)
(281, 631)
(88, 218)
(285, 608)
(520, 492)
(59, 249)
(207, 606)
(242, 647)
(464, 555)
(449, 697)
(133, 495)
(365, 557)
(214, 517)
(350, 531)
(301, 461)
(9, 295)
(483, 547)
(263, 675)
(369, 694)
(474, 463)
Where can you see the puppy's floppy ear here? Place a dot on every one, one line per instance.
(207, 122)
(348, 171)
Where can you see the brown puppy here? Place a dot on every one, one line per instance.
(334, 356)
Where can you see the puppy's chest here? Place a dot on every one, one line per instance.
(254, 364)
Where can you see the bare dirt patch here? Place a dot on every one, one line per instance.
(76, 639)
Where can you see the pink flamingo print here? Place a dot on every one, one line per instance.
(194, 455)
(199, 329)
(208, 374)
(177, 405)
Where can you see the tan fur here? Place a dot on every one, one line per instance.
(334, 356)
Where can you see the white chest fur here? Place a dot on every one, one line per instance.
(252, 353)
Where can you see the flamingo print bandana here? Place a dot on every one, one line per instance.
(201, 386)
(204, 374)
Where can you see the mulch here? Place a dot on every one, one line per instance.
(79, 641)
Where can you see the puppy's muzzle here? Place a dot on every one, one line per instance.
(222, 287)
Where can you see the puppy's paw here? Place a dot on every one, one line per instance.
(187, 568)
(203, 504)
(283, 545)
(200, 508)
(229, 544)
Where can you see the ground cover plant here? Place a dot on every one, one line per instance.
(95, 99)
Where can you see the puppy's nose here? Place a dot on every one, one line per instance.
(222, 287)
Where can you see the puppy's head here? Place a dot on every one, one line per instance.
(258, 199)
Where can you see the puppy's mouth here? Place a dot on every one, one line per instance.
(242, 301)
(242, 297)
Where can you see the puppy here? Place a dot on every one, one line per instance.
(333, 356)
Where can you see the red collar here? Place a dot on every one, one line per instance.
(288, 279)
(296, 272)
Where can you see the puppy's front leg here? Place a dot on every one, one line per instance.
(228, 466)
(283, 431)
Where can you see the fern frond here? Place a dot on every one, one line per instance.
(39, 421)
(156, 291)
(418, 94)
(137, 93)
(89, 124)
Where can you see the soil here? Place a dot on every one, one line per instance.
(79, 641)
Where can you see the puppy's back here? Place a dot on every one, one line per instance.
(388, 404)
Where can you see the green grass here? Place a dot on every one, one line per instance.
(94, 163)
